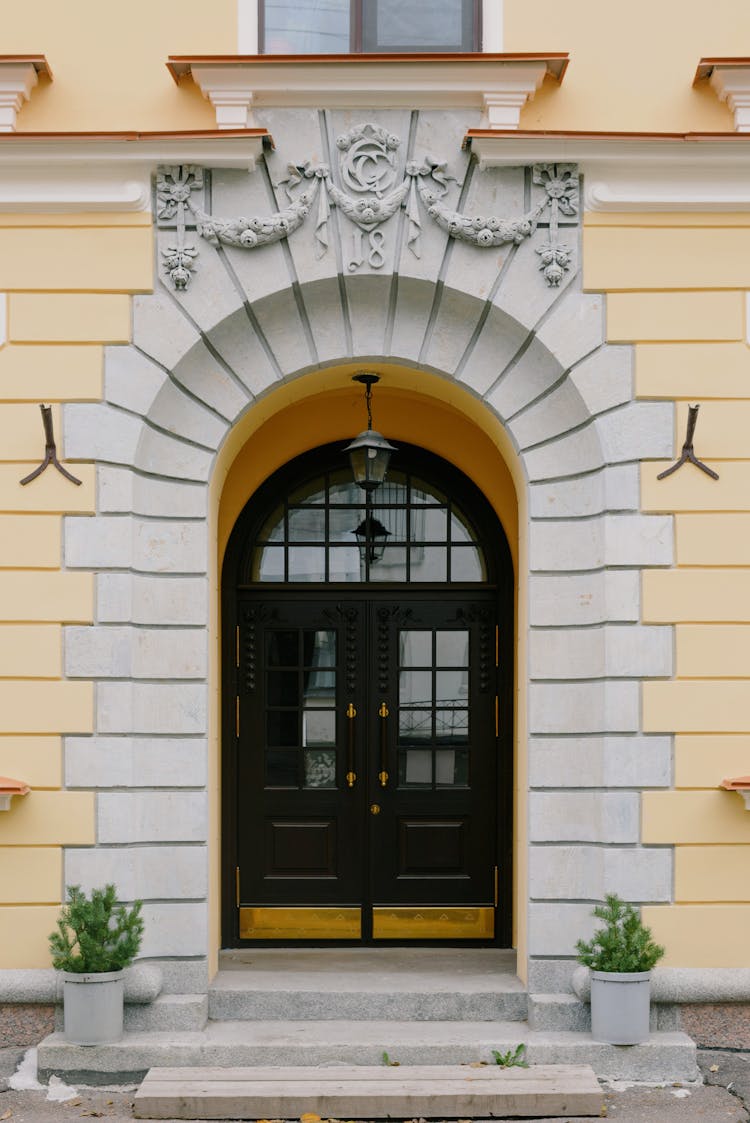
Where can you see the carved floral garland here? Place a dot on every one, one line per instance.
(368, 169)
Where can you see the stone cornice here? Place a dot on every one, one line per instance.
(497, 84)
(57, 173)
(635, 171)
(18, 76)
(729, 78)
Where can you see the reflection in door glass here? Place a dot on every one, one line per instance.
(451, 768)
(415, 768)
(307, 563)
(452, 688)
(269, 564)
(320, 768)
(467, 564)
(414, 725)
(452, 648)
(415, 688)
(451, 727)
(415, 648)
(307, 524)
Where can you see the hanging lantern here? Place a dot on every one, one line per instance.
(369, 452)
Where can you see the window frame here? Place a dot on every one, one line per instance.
(472, 10)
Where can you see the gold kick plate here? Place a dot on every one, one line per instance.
(300, 924)
(433, 923)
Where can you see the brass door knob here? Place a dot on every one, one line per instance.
(374, 808)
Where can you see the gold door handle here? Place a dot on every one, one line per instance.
(374, 808)
(351, 775)
(383, 773)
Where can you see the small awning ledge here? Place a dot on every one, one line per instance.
(741, 785)
(18, 76)
(729, 78)
(9, 788)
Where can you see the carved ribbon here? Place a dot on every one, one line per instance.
(368, 167)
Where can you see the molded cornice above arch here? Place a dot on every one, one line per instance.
(497, 84)
(634, 171)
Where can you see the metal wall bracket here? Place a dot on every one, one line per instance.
(688, 455)
(50, 452)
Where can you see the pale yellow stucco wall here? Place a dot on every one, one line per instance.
(632, 65)
(691, 347)
(109, 61)
(59, 314)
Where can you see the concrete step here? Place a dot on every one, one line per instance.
(559, 1012)
(383, 984)
(665, 1057)
(434, 1092)
(566, 1012)
(168, 1011)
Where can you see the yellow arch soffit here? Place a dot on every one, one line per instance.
(408, 405)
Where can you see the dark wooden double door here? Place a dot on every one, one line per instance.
(367, 767)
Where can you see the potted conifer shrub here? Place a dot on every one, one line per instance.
(95, 939)
(620, 957)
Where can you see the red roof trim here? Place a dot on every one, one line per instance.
(736, 784)
(9, 786)
(182, 134)
(39, 62)
(706, 66)
(561, 134)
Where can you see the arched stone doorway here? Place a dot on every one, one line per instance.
(184, 399)
(368, 697)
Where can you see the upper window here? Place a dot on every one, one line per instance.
(321, 27)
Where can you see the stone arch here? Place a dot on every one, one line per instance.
(564, 397)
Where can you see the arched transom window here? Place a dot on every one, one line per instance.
(408, 530)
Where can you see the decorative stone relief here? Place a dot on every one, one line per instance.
(369, 193)
(174, 186)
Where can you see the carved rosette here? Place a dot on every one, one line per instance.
(369, 192)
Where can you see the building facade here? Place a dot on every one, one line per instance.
(468, 704)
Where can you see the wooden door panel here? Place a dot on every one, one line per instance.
(366, 762)
(432, 848)
(433, 841)
(300, 824)
(297, 848)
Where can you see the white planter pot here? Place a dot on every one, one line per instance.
(93, 1006)
(620, 1007)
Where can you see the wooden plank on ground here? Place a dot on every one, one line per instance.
(369, 1092)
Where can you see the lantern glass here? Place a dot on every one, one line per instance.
(369, 455)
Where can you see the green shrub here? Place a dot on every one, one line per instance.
(96, 935)
(623, 944)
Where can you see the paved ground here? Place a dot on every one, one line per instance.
(710, 1103)
(636, 1105)
(724, 1098)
